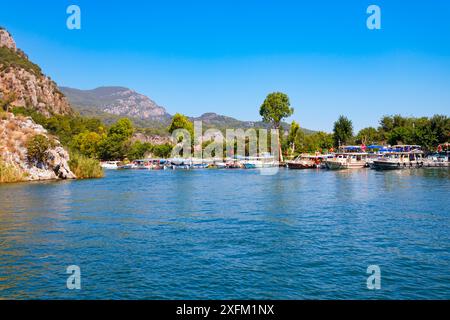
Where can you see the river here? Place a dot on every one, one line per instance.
(229, 234)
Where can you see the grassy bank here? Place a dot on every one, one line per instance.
(9, 173)
(84, 167)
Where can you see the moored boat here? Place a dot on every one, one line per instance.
(259, 162)
(110, 165)
(400, 157)
(305, 161)
(350, 157)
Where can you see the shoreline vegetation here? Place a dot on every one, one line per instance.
(9, 173)
(40, 130)
(90, 141)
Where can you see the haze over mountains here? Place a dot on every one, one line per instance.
(110, 103)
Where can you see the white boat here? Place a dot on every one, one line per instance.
(400, 157)
(437, 160)
(351, 157)
(264, 161)
(110, 165)
(220, 165)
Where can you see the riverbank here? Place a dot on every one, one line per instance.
(29, 153)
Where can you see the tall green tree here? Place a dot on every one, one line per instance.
(274, 109)
(139, 149)
(293, 131)
(342, 131)
(117, 143)
(368, 136)
(180, 121)
(87, 143)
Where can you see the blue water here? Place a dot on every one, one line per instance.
(235, 234)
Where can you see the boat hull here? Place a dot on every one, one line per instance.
(337, 165)
(300, 165)
(391, 165)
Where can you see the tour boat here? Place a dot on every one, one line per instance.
(305, 162)
(400, 157)
(126, 166)
(351, 157)
(110, 165)
(264, 161)
(437, 160)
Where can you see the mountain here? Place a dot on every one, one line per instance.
(117, 101)
(111, 103)
(23, 84)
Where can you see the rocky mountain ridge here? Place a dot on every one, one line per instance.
(23, 84)
(109, 103)
(118, 101)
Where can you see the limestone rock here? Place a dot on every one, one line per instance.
(6, 40)
(15, 132)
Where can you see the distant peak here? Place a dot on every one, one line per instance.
(209, 115)
(6, 40)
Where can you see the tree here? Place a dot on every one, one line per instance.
(87, 143)
(274, 109)
(367, 136)
(162, 150)
(400, 135)
(180, 121)
(293, 131)
(122, 128)
(440, 125)
(37, 148)
(139, 149)
(342, 131)
(116, 144)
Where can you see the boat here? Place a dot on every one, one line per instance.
(437, 160)
(264, 161)
(305, 161)
(179, 163)
(349, 157)
(400, 157)
(110, 165)
(126, 166)
(200, 166)
(141, 164)
(220, 165)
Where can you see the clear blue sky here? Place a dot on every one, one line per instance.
(224, 56)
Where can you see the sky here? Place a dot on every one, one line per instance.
(225, 56)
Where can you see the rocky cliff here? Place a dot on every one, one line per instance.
(22, 83)
(15, 134)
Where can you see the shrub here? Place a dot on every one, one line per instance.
(83, 167)
(37, 148)
(10, 58)
(9, 173)
(162, 150)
